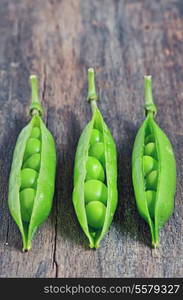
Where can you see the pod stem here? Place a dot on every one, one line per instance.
(92, 95)
(35, 108)
(150, 107)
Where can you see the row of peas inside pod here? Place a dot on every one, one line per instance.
(95, 189)
(150, 165)
(29, 173)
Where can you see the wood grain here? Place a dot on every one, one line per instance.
(122, 40)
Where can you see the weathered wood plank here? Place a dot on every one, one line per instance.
(122, 40)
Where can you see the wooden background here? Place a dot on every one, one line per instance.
(123, 40)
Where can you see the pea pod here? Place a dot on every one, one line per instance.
(153, 170)
(95, 174)
(32, 175)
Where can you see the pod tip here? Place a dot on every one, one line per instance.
(148, 77)
(26, 249)
(155, 245)
(33, 77)
(91, 70)
(33, 80)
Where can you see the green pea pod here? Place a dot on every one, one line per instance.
(153, 170)
(32, 176)
(95, 200)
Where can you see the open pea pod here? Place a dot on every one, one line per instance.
(153, 170)
(32, 175)
(95, 174)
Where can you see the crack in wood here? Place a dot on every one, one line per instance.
(55, 263)
(7, 233)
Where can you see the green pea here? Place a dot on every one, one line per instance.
(151, 197)
(98, 150)
(150, 149)
(96, 136)
(33, 146)
(26, 203)
(151, 180)
(95, 213)
(33, 162)
(36, 132)
(28, 178)
(149, 164)
(95, 190)
(94, 169)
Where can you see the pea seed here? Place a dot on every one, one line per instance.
(94, 169)
(151, 197)
(33, 162)
(26, 203)
(149, 139)
(36, 133)
(28, 178)
(93, 232)
(95, 212)
(149, 164)
(33, 146)
(151, 180)
(150, 149)
(97, 150)
(95, 190)
(96, 136)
